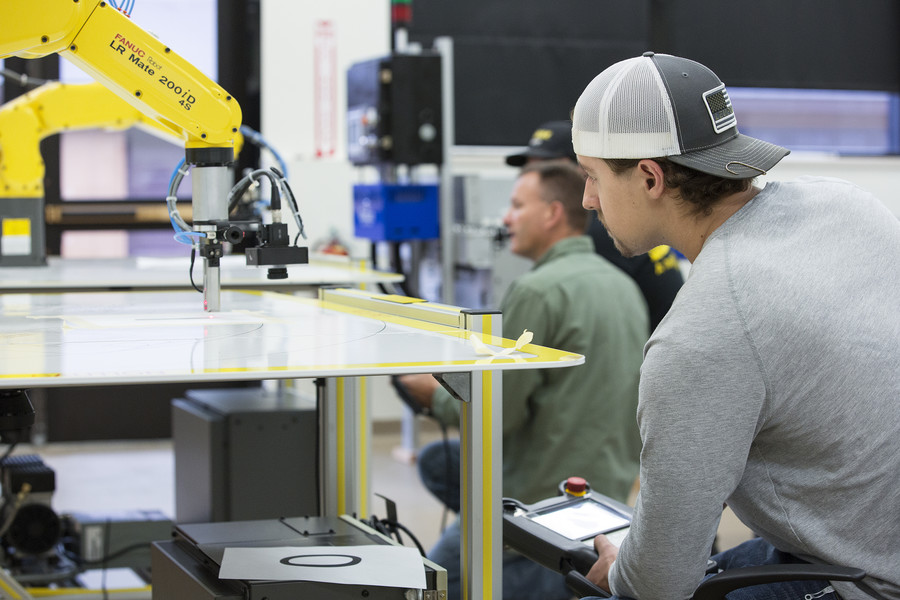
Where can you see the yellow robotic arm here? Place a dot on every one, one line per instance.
(145, 73)
(54, 108)
(127, 60)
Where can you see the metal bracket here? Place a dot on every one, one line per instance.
(458, 384)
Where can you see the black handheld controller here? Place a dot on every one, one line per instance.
(558, 532)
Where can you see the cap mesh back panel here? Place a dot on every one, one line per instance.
(625, 113)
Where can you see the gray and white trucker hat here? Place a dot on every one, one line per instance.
(657, 105)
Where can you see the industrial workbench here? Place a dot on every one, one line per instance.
(53, 340)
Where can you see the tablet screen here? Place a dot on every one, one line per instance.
(581, 520)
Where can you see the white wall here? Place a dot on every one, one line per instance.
(323, 185)
(290, 81)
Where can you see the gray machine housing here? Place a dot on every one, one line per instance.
(187, 567)
(115, 540)
(243, 454)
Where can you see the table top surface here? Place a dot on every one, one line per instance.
(52, 340)
(63, 275)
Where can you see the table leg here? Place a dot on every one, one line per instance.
(345, 446)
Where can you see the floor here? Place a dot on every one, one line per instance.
(114, 477)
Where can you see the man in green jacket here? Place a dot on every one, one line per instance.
(556, 422)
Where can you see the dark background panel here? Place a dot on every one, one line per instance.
(520, 62)
(594, 20)
(239, 67)
(504, 90)
(828, 44)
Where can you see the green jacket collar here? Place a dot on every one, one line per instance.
(571, 245)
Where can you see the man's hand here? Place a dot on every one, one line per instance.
(599, 573)
(420, 387)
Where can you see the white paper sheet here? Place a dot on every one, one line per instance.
(392, 566)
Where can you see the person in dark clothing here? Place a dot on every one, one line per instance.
(656, 273)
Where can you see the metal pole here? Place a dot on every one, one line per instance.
(444, 46)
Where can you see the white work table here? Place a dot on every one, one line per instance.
(50, 340)
(145, 273)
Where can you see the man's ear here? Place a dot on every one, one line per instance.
(652, 176)
(556, 214)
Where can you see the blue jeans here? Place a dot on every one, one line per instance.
(758, 552)
(522, 579)
(438, 464)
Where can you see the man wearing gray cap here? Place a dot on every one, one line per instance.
(656, 272)
(772, 384)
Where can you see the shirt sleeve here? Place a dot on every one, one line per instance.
(702, 397)
(444, 407)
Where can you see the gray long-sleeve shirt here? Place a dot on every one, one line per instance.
(773, 385)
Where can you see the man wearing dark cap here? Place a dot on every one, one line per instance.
(772, 384)
(656, 272)
(552, 140)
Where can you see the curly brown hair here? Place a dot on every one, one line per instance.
(700, 191)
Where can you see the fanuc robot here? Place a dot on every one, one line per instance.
(148, 85)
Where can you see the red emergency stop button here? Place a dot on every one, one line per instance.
(576, 486)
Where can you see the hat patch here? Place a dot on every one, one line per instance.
(540, 136)
(718, 105)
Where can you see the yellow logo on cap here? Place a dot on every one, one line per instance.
(663, 259)
(542, 135)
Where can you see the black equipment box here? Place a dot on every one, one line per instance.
(243, 454)
(394, 110)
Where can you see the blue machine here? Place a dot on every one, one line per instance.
(386, 212)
